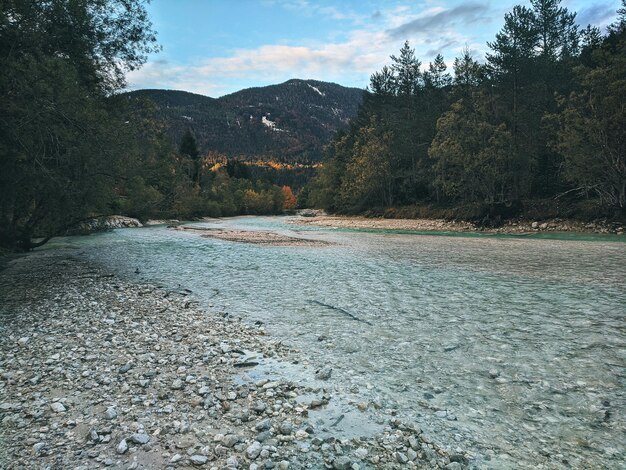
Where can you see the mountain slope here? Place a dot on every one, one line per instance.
(289, 122)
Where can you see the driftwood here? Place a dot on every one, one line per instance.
(339, 309)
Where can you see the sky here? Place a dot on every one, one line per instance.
(217, 47)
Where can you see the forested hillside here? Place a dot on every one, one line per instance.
(539, 128)
(289, 122)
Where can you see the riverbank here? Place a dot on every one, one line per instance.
(441, 225)
(98, 371)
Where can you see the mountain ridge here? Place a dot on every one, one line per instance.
(289, 122)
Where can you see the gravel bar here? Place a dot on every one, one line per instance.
(98, 371)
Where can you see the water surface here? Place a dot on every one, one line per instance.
(511, 348)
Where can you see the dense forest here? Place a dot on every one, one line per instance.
(71, 146)
(538, 130)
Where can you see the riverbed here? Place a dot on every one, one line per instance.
(510, 348)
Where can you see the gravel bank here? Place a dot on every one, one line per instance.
(97, 372)
(257, 237)
(441, 225)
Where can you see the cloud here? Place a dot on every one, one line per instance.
(308, 8)
(363, 53)
(598, 14)
(441, 47)
(436, 20)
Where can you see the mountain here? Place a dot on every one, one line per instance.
(288, 122)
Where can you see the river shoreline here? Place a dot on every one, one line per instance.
(513, 227)
(98, 371)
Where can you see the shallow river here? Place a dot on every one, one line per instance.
(511, 348)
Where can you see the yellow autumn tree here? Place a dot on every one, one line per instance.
(289, 200)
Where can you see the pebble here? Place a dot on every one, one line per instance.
(110, 413)
(199, 459)
(39, 448)
(401, 458)
(263, 425)
(230, 440)
(140, 438)
(253, 450)
(232, 462)
(285, 428)
(342, 463)
(122, 447)
(57, 407)
(177, 384)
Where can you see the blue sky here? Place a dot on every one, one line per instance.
(216, 47)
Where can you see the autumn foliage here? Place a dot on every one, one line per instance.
(289, 200)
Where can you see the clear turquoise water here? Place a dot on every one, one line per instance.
(549, 315)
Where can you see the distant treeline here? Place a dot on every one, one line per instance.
(541, 123)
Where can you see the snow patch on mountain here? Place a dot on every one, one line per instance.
(316, 89)
(270, 124)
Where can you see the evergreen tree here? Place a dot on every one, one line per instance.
(406, 69)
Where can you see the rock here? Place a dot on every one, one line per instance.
(493, 373)
(259, 406)
(264, 425)
(543, 226)
(232, 462)
(535, 225)
(199, 459)
(57, 407)
(23, 341)
(122, 447)
(102, 224)
(177, 384)
(361, 453)
(39, 449)
(411, 455)
(454, 466)
(110, 413)
(176, 458)
(324, 373)
(283, 465)
(342, 463)
(285, 428)
(230, 440)
(253, 450)
(308, 213)
(401, 458)
(140, 438)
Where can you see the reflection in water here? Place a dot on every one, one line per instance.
(512, 348)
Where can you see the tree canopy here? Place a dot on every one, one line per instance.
(542, 119)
